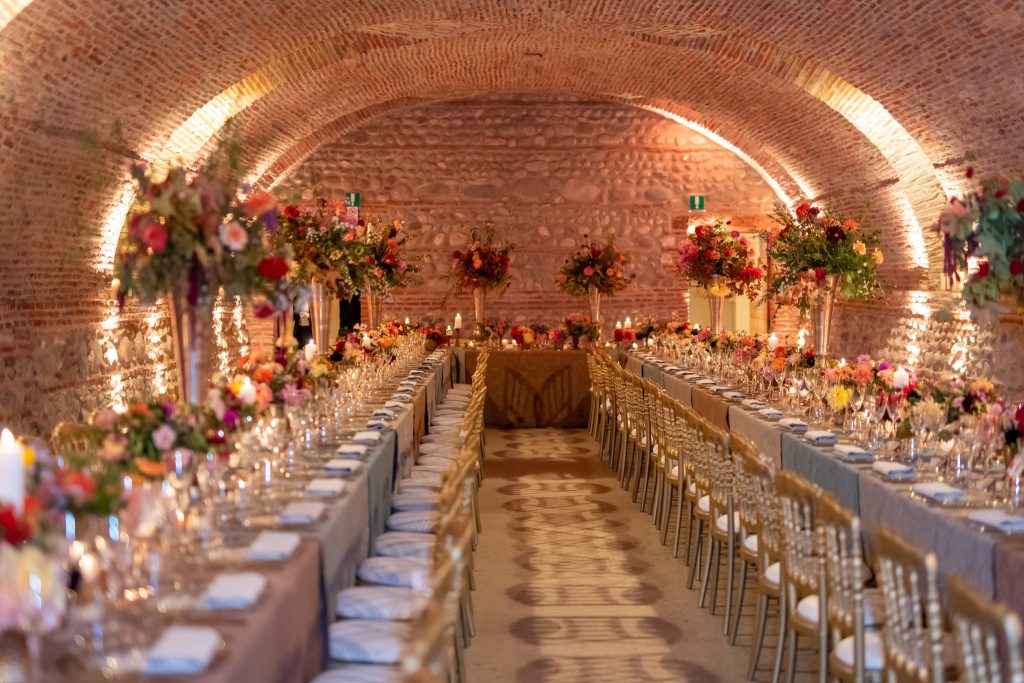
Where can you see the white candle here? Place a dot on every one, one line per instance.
(458, 321)
(12, 472)
(618, 324)
(407, 321)
(900, 378)
(773, 341)
(247, 392)
(629, 323)
(311, 351)
(448, 330)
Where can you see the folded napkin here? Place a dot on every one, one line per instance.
(770, 413)
(716, 388)
(377, 425)
(705, 382)
(998, 519)
(352, 450)
(405, 391)
(366, 437)
(301, 512)
(400, 399)
(234, 591)
(734, 395)
(183, 650)
(855, 453)
(939, 492)
(793, 424)
(893, 470)
(343, 465)
(753, 403)
(690, 377)
(325, 488)
(821, 437)
(274, 545)
(384, 414)
(396, 405)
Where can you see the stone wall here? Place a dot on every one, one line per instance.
(545, 172)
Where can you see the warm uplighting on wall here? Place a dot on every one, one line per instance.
(240, 329)
(10, 9)
(915, 236)
(108, 343)
(223, 357)
(917, 327)
(154, 346)
(113, 224)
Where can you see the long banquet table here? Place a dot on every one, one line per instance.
(536, 388)
(992, 561)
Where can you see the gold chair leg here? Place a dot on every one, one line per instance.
(739, 602)
(667, 507)
(679, 520)
(697, 546)
(730, 569)
(780, 646)
(713, 550)
(793, 639)
(760, 625)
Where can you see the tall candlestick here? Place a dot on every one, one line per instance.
(311, 351)
(458, 321)
(12, 472)
(900, 378)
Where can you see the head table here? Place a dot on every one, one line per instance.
(534, 388)
(992, 561)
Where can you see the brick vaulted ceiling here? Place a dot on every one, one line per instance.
(858, 100)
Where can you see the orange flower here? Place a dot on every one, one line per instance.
(850, 224)
(140, 409)
(259, 203)
(263, 374)
(149, 468)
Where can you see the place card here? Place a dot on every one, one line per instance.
(301, 512)
(894, 470)
(183, 650)
(793, 424)
(325, 488)
(273, 545)
(238, 590)
(998, 519)
(939, 492)
(342, 466)
(352, 450)
(821, 437)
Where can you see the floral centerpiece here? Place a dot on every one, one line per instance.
(320, 241)
(577, 326)
(277, 377)
(624, 335)
(192, 236)
(523, 335)
(821, 253)
(368, 344)
(483, 266)
(594, 270)
(987, 226)
(491, 330)
(141, 439)
(721, 261)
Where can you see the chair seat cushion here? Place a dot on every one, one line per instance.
(722, 523)
(772, 574)
(437, 449)
(750, 543)
(419, 522)
(406, 572)
(807, 609)
(874, 651)
(361, 673)
(704, 504)
(431, 474)
(407, 485)
(415, 501)
(377, 602)
(404, 544)
(436, 460)
(367, 641)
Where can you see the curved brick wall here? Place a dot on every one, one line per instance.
(867, 103)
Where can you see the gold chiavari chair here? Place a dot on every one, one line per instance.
(853, 612)
(670, 469)
(747, 524)
(722, 514)
(803, 570)
(657, 405)
(769, 568)
(699, 500)
(650, 400)
(988, 636)
(913, 640)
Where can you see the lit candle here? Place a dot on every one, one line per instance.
(629, 323)
(448, 329)
(900, 378)
(618, 324)
(406, 320)
(458, 321)
(311, 351)
(247, 392)
(12, 472)
(773, 341)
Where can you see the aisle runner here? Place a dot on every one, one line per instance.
(572, 583)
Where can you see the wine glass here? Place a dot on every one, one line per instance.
(41, 601)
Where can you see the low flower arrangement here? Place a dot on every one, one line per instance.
(523, 335)
(363, 344)
(484, 264)
(719, 259)
(601, 266)
(987, 225)
(436, 335)
(623, 335)
(194, 234)
(576, 326)
(491, 330)
(140, 440)
(267, 377)
(812, 244)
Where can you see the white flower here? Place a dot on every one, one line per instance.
(234, 236)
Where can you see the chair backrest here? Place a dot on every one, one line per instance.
(76, 443)
(802, 560)
(913, 614)
(760, 487)
(988, 635)
(748, 470)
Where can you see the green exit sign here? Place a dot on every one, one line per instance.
(352, 199)
(696, 202)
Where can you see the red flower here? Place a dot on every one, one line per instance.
(1000, 194)
(699, 230)
(273, 267)
(292, 212)
(1020, 206)
(1019, 416)
(819, 274)
(1016, 267)
(802, 211)
(970, 171)
(15, 530)
(983, 269)
(595, 252)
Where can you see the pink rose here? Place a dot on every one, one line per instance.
(164, 437)
(233, 235)
(588, 271)
(104, 419)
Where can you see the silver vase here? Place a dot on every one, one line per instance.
(821, 314)
(320, 304)
(374, 304)
(191, 333)
(479, 303)
(594, 301)
(716, 304)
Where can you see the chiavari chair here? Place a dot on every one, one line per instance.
(988, 636)
(743, 546)
(752, 475)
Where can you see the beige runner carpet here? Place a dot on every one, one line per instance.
(572, 582)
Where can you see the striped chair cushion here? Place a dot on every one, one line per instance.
(404, 544)
(420, 522)
(361, 673)
(415, 501)
(406, 572)
(378, 602)
(367, 641)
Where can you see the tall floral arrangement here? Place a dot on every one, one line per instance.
(987, 225)
(715, 255)
(376, 246)
(195, 233)
(813, 243)
(594, 265)
(318, 239)
(484, 264)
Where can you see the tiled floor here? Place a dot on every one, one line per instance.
(573, 583)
